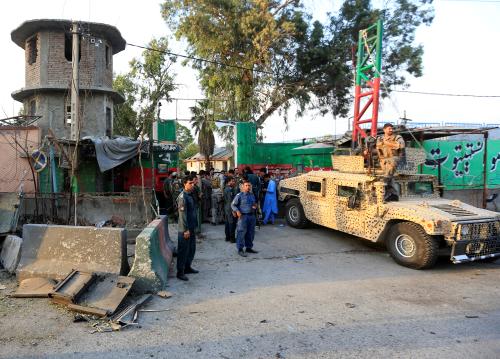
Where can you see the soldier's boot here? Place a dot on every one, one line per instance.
(182, 276)
(191, 270)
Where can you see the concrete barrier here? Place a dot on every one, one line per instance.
(11, 252)
(53, 251)
(153, 257)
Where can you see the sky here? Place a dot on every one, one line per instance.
(460, 56)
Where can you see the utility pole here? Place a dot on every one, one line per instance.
(75, 112)
(75, 86)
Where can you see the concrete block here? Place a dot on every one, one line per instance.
(153, 257)
(11, 252)
(9, 212)
(51, 251)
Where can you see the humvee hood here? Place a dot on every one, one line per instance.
(443, 209)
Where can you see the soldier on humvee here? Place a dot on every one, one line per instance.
(390, 149)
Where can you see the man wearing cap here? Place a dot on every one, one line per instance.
(390, 149)
(244, 205)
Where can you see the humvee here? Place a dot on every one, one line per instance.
(416, 227)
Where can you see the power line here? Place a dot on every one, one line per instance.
(446, 94)
(482, 1)
(270, 73)
(200, 59)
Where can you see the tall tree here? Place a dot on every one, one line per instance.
(279, 56)
(149, 80)
(204, 127)
(183, 134)
(188, 151)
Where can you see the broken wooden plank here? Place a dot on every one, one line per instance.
(72, 287)
(34, 288)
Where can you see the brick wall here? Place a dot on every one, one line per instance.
(14, 165)
(32, 71)
(93, 69)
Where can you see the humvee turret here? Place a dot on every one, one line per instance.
(415, 227)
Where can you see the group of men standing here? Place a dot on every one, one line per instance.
(194, 198)
(245, 198)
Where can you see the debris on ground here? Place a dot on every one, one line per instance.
(350, 305)
(2, 287)
(164, 294)
(115, 221)
(34, 288)
(92, 293)
(128, 315)
(153, 310)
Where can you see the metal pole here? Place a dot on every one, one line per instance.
(485, 167)
(75, 110)
(75, 87)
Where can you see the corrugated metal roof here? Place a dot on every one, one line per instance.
(220, 154)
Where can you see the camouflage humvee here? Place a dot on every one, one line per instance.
(415, 227)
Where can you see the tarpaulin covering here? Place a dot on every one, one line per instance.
(113, 152)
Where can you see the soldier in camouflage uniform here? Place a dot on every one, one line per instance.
(238, 178)
(172, 187)
(390, 149)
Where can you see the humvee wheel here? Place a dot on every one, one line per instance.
(410, 246)
(295, 216)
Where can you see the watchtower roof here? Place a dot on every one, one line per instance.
(108, 32)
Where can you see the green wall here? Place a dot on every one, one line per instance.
(462, 163)
(166, 130)
(249, 152)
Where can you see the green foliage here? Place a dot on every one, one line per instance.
(125, 117)
(204, 127)
(149, 80)
(188, 151)
(183, 134)
(294, 60)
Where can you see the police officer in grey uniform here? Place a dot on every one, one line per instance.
(186, 246)
(244, 205)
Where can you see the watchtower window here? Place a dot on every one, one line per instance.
(68, 47)
(314, 186)
(32, 50)
(67, 111)
(108, 122)
(32, 108)
(108, 56)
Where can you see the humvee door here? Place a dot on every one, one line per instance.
(350, 208)
(316, 202)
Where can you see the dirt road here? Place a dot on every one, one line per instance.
(312, 293)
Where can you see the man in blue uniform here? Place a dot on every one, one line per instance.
(244, 205)
(186, 238)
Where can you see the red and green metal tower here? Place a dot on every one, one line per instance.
(367, 91)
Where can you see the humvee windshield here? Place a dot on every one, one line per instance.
(420, 188)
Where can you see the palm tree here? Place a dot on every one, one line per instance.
(204, 126)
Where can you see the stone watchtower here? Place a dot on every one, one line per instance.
(48, 75)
